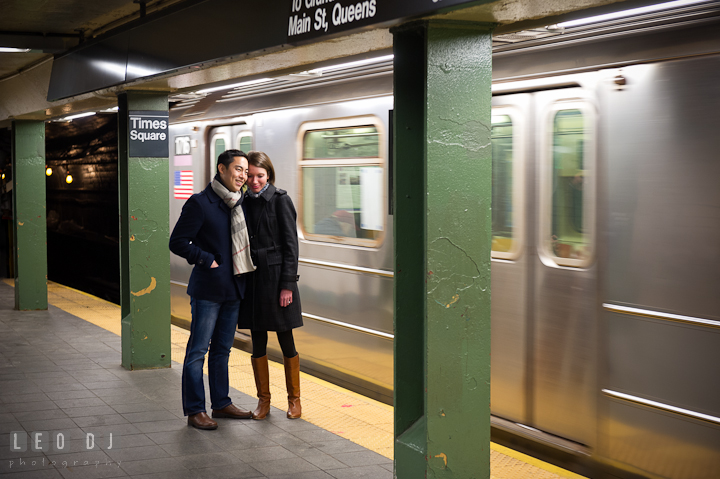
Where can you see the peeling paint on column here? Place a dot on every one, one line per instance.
(153, 283)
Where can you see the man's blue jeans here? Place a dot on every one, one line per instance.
(213, 325)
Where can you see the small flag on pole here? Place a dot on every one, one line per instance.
(183, 184)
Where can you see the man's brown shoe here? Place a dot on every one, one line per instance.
(201, 421)
(232, 412)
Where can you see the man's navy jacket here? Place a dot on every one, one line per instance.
(201, 236)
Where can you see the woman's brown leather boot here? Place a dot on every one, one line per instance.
(262, 383)
(292, 382)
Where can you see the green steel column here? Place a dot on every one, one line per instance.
(29, 218)
(144, 234)
(442, 240)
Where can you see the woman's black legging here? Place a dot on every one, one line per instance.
(285, 338)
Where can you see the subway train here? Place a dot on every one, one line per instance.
(605, 231)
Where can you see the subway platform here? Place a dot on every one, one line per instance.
(60, 376)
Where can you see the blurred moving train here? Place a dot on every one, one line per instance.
(606, 229)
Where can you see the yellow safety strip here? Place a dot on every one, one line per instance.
(553, 470)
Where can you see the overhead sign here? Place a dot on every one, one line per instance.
(315, 18)
(148, 134)
(318, 15)
(154, 46)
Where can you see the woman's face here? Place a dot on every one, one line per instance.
(257, 177)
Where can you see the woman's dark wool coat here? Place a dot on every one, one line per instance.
(271, 221)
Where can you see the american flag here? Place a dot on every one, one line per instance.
(183, 185)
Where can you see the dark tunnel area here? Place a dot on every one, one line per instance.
(81, 158)
(82, 204)
(6, 212)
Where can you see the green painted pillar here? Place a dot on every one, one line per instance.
(143, 174)
(29, 215)
(442, 237)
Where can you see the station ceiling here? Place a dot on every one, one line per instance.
(48, 28)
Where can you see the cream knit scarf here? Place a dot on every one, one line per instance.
(242, 262)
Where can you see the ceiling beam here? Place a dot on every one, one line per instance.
(36, 41)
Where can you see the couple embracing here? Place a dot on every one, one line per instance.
(244, 245)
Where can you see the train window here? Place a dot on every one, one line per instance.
(218, 143)
(245, 141)
(343, 181)
(220, 146)
(568, 232)
(506, 184)
(357, 142)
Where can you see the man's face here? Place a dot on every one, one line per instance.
(235, 175)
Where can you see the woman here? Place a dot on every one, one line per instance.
(274, 302)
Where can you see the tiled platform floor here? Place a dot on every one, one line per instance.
(59, 373)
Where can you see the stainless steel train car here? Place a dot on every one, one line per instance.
(606, 230)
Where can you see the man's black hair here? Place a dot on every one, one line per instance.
(227, 157)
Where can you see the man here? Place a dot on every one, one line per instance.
(212, 235)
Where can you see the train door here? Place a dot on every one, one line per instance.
(511, 188)
(543, 268)
(564, 294)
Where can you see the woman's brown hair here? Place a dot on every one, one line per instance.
(260, 159)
